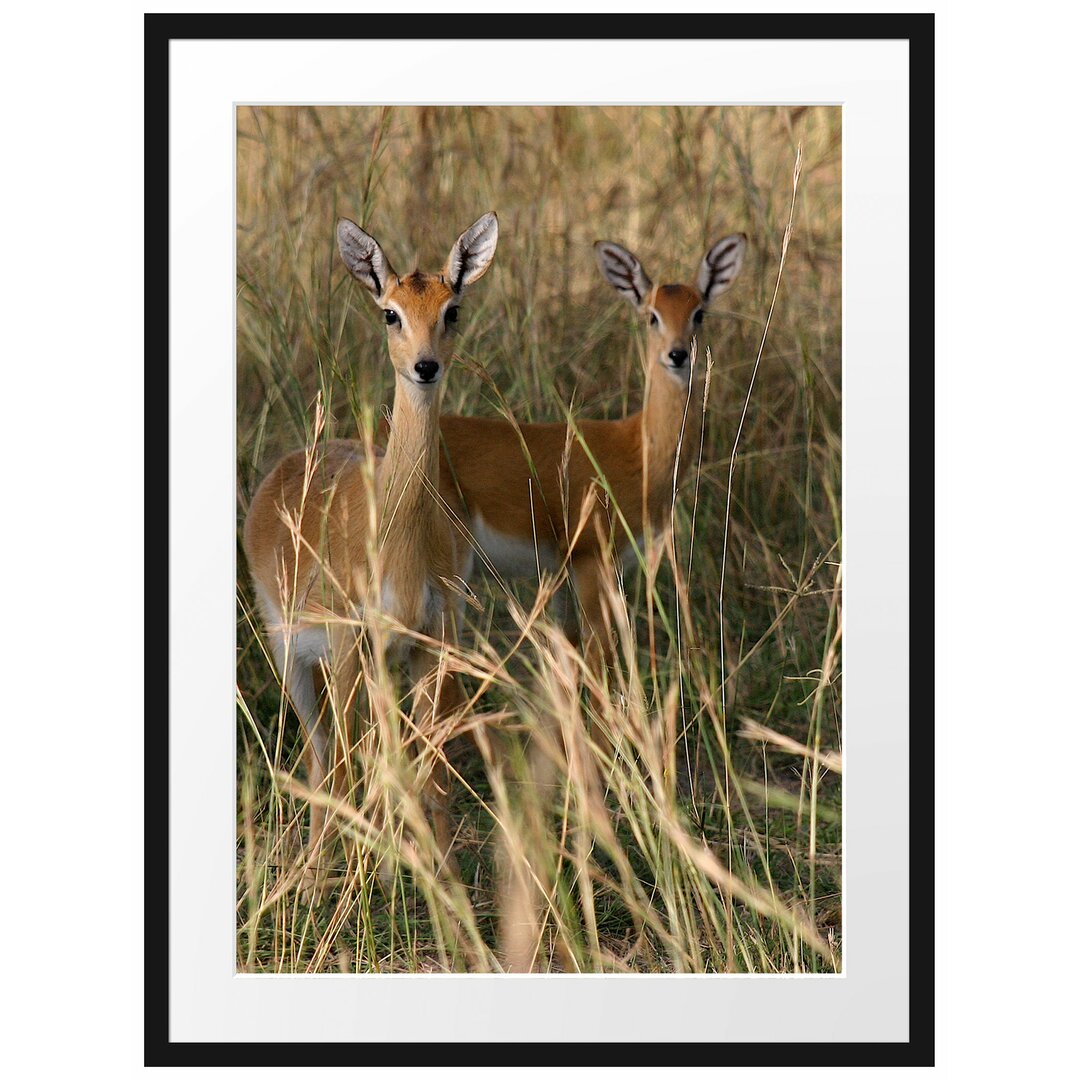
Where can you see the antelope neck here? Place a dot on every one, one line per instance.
(410, 467)
(663, 423)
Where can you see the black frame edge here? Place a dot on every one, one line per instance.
(159, 30)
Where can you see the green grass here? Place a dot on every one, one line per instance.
(698, 848)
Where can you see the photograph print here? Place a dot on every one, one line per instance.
(539, 545)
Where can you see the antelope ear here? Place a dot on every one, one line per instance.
(721, 266)
(471, 255)
(363, 256)
(623, 271)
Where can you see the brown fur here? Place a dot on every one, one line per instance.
(559, 499)
(370, 535)
(485, 468)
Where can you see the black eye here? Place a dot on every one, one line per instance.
(392, 318)
(451, 316)
(698, 316)
(653, 320)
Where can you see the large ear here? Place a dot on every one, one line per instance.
(363, 256)
(623, 270)
(721, 266)
(471, 255)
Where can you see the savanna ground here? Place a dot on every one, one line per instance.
(711, 841)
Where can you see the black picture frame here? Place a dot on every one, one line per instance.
(919, 31)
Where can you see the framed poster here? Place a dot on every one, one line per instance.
(659, 457)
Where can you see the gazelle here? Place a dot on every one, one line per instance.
(524, 515)
(326, 541)
(544, 504)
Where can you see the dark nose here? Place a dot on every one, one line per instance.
(678, 357)
(426, 369)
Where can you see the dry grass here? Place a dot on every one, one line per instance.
(708, 839)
